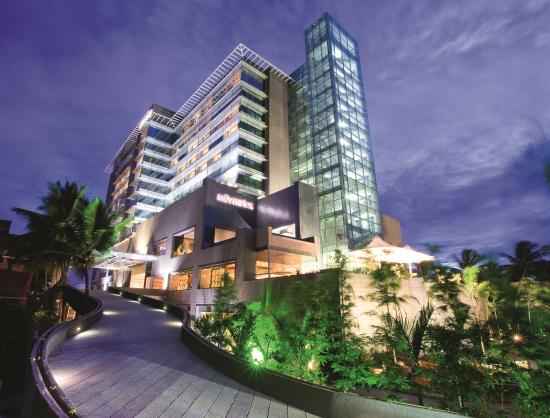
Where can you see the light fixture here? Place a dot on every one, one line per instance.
(518, 339)
(257, 355)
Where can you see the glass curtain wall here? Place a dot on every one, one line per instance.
(329, 135)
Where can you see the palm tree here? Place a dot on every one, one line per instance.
(96, 231)
(533, 294)
(526, 256)
(411, 335)
(468, 258)
(478, 292)
(46, 243)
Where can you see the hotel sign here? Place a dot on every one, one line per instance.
(234, 201)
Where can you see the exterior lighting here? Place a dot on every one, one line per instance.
(311, 365)
(518, 339)
(139, 299)
(165, 307)
(78, 329)
(257, 355)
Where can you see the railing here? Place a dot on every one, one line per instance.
(51, 402)
(314, 399)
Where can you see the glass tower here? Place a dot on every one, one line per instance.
(329, 138)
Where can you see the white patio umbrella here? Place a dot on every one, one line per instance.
(383, 252)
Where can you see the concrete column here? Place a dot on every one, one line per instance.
(278, 170)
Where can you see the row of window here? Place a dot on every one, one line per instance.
(183, 242)
(209, 277)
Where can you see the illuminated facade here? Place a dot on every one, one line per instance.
(330, 145)
(233, 129)
(189, 246)
(253, 127)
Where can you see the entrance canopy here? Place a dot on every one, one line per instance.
(117, 260)
(383, 252)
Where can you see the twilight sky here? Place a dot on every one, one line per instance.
(458, 96)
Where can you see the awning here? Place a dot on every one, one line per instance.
(383, 252)
(117, 260)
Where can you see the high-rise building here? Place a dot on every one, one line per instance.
(330, 146)
(233, 129)
(251, 126)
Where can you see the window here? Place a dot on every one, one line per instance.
(212, 276)
(180, 280)
(222, 234)
(183, 242)
(160, 247)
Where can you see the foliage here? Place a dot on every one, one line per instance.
(386, 281)
(481, 342)
(68, 230)
(468, 258)
(526, 258)
(95, 231)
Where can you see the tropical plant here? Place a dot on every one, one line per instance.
(534, 295)
(215, 326)
(409, 339)
(96, 230)
(478, 294)
(468, 258)
(386, 281)
(523, 261)
(47, 242)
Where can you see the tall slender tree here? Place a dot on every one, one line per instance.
(95, 232)
(526, 256)
(468, 258)
(47, 242)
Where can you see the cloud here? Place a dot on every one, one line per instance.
(488, 211)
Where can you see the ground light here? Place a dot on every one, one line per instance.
(257, 355)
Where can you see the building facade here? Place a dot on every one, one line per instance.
(255, 128)
(330, 145)
(187, 247)
(233, 129)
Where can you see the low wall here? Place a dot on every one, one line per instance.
(47, 400)
(314, 399)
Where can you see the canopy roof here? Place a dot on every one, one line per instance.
(117, 260)
(383, 252)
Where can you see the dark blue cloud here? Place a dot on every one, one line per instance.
(458, 97)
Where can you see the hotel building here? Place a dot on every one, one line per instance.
(254, 127)
(251, 141)
(186, 248)
(233, 129)
(330, 145)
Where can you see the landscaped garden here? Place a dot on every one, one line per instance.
(479, 346)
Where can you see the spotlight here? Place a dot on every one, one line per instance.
(518, 339)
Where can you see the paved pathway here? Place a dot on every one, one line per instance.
(132, 364)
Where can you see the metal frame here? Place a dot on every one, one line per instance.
(241, 52)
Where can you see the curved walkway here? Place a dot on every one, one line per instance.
(132, 364)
